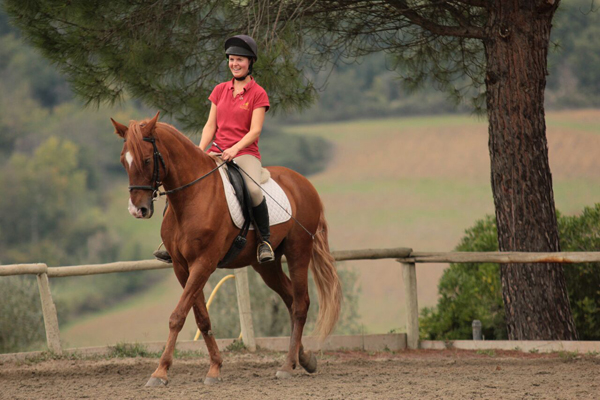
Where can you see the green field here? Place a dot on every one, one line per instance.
(402, 182)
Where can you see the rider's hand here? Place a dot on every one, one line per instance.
(229, 154)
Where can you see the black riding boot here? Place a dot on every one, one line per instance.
(162, 255)
(264, 251)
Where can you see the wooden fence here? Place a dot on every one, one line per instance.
(405, 256)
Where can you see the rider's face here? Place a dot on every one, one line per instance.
(238, 65)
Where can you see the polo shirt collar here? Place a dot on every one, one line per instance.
(248, 86)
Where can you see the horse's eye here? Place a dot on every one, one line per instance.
(147, 161)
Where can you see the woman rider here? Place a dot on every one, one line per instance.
(235, 121)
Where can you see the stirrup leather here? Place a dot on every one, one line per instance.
(266, 257)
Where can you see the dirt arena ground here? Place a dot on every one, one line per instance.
(421, 374)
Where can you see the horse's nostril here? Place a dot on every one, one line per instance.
(144, 211)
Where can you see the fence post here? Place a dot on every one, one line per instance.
(50, 316)
(243, 297)
(477, 334)
(409, 273)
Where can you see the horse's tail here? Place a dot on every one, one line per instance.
(322, 266)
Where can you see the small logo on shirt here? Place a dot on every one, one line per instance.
(245, 106)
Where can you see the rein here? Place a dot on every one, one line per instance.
(156, 183)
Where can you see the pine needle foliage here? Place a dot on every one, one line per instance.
(169, 53)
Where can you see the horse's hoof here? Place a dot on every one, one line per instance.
(309, 365)
(283, 375)
(153, 382)
(211, 381)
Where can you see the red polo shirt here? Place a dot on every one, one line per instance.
(234, 115)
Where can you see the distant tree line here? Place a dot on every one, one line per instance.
(370, 88)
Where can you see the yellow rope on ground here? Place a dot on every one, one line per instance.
(210, 299)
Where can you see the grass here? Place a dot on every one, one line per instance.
(120, 350)
(568, 355)
(143, 318)
(154, 292)
(236, 346)
(580, 120)
(49, 356)
(381, 127)
(133, 350)
(573, 195)
(125, 350)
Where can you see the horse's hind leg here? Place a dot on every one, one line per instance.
(203, 322)
(273, 275)
(195, 282)
(295, 297)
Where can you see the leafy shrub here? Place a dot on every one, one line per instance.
(473, 291)
(582, 233)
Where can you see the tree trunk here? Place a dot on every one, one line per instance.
(535, 295)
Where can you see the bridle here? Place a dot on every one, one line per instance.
(155, 173)
(156, 182)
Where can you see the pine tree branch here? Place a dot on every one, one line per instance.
(444, 30)
(462, 21)
(476, 3)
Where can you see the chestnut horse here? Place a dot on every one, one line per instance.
(197, 232)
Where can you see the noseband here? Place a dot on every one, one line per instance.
(156, 182)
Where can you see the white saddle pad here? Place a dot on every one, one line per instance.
(278, 213)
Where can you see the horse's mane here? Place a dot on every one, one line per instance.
(162, 131)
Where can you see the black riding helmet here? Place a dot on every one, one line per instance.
(242, 45)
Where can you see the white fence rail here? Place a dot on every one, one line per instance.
(405, 256)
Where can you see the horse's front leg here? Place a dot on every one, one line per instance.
(193, 288)
(203, 321)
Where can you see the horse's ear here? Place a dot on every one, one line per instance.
(120, 129)
(149, 127)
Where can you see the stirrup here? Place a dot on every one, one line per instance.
(264, 253)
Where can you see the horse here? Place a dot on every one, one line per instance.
(197, 232)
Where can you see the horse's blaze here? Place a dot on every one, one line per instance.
(129, 158)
